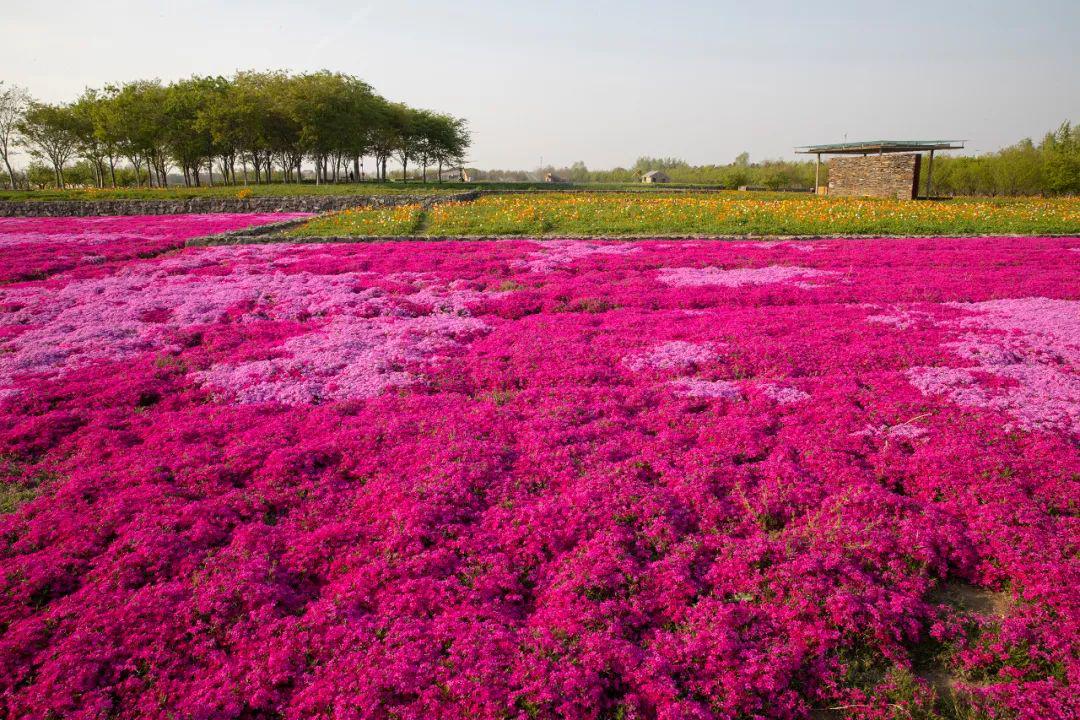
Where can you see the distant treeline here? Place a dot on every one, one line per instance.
(205, 127)
(770, 174)
(1050, 167)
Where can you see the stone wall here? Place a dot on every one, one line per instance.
(291, 203)
(892, 176)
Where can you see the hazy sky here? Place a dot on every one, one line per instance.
(605, 82)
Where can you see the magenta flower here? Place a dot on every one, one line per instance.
(524, 479)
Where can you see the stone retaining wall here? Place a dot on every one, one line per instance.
(291, 203)
(891, 176)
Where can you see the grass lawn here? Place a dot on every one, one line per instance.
(575, 213)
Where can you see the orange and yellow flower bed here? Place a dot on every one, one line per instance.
(586, 213)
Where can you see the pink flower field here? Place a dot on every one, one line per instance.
(516, 479)
(33, 248)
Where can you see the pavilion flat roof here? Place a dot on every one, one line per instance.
(880, 146)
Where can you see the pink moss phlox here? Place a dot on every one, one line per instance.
(675, 355)
(1028, 347)
(736, 277)
(554, 254)
(518, 480)
(781, 394)
(38, 246)
(700, 388)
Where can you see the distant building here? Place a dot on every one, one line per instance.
(880, 168)
(655, 176)
(553, 178)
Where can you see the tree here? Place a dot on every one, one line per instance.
(92, 147)
(321, 106)
(13, 103)
(39, 175)
(405, 131)
(384, 137)
(261, 119)
(427, 127)
(137, 113)
(1061, 153)
(50, 132)
(188, 140)
(448, 140)
(366, 112)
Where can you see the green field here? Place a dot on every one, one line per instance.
(730, 213)
(307, 188)
(231, 191)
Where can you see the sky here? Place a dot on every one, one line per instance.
(605, 82)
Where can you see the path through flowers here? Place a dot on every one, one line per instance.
(530, 480)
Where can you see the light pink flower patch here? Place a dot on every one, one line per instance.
(737, 277)
(455, 297)
(900, 431)
(1047, 326)
(676, 355)
(115, 317)
(1030, 347)
(554, 254)
(780, 245)
(360, 350)
(349, 358)
(699, 388)
(901, 318)
(781, 394)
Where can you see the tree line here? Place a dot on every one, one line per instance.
(267, 123)
(768, 174)
(1049, 167)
